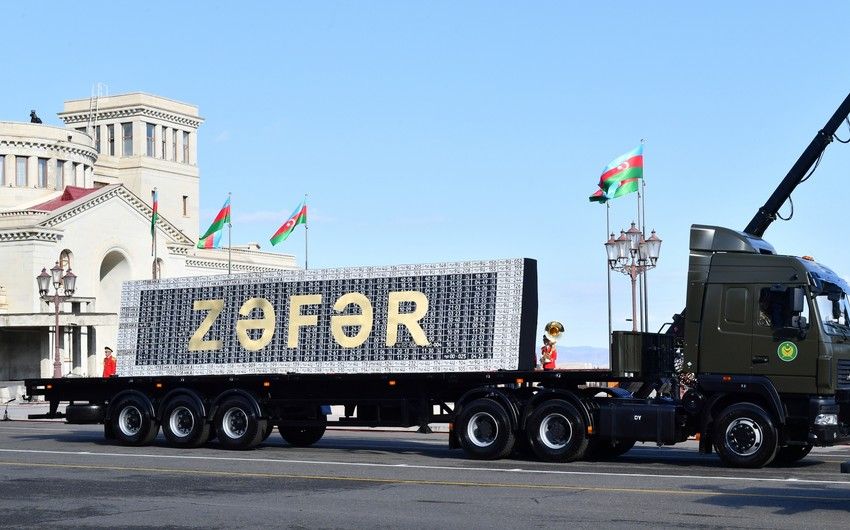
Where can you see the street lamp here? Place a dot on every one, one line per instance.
(68, 283)
(633, 255)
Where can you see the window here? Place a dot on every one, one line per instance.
(65, 260)
(110, 134)
(185, 147)
(2, 170)
(97, 138)
(74, 168)
(151, 140)
(42, 172)
(127, 139)
(81, 129)
(164, 129)
(60, 174)
(174, 145)
(21, 171)
(185, 205)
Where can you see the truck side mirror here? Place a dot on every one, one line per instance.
(798, 299)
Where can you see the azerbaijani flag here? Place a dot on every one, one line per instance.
(154, 217)
(620, 177)
(298, 217)
(627, 166)
(212, 237)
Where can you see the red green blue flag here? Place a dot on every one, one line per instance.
(212, 237)
(620, 177)
(298, 217)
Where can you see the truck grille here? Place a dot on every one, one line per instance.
(843, 373)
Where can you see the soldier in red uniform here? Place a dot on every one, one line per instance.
(108, 362)
(549, 354)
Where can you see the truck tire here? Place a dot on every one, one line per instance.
(744, 436)
(268, 432)
(183, 424)
(484, 430)
(131, 422)
(791, 454)
(237, 426)
(606, 449)
(85, 414)
(556, 432)
(303, 436)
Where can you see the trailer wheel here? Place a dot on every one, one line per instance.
(557, 432)
(131, 422)
(744, 436)
(237, 425)
(484, 430)
(183, 424)
(604, 449)
(303, 436)
(791, 453)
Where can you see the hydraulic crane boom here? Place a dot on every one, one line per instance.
(767, 213)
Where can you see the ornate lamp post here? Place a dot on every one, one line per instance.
(68, 282)
(633, 255)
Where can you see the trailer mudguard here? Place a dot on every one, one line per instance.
(117, 397)
(258, 410)
(497, 394)
(548, 394)
(191, 394)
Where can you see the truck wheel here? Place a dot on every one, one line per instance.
(303, 436)
(484, 430)
(268, 431)
(744, 436)
(131, 422)
(557, 432)
(183, 425)
(604, 449)
(791, 454)
(237, 425)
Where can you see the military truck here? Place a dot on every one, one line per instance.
(757, 366)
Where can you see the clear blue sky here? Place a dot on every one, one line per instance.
(443, 131)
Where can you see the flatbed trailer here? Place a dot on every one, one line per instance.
(487, 410)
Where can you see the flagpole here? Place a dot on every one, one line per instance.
(229, 242)
(306, 230)
(153, 233)
(645, 284)
(608, 267)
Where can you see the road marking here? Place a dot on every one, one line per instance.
(426, 467)
(248, 474)
(3, 428)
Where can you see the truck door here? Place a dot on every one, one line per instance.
(726, 335)
(785, 345)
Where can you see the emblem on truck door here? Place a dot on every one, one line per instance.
(787, 351)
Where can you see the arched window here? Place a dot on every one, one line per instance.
(65, 258)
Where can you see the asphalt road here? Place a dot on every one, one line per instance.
(66, 475)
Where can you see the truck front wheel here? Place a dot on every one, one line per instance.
(484, 430)
(744, 436)
(556, 432)
(237, 425)
(131, 422)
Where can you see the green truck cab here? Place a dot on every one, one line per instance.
(766, 342)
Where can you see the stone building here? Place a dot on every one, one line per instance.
(80, 196)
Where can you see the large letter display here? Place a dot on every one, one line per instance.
(441, 317)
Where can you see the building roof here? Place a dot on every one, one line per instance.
(71, 194)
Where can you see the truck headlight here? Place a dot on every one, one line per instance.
(826, 419)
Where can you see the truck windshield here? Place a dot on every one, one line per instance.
(834, 310)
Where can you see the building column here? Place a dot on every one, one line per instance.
(193, 148)
(139, 147)
(91, 350)
(76, 350)
(9, 169)
(32, 171)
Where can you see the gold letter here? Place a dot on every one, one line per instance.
(408, 320)
(364, 320)
(266, 324)
(296, 319)
(197, 342)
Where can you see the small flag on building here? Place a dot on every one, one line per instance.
(212, 237)
(154, 218)
(298, 217)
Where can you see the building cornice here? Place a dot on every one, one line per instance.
(58, 146)
(222, 266)
(71, 118)
(30, 234)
